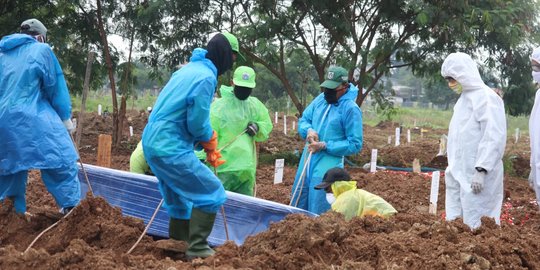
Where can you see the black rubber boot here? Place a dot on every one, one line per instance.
(179, 229)
(200, 227)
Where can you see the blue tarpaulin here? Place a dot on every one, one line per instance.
(138, 196)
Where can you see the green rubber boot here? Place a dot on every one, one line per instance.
(200, 227)
(179, 229)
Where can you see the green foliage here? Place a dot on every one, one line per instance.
(291, 159)
(520, 90)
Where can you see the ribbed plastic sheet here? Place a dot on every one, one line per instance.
(138, 196)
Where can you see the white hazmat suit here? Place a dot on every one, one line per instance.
(476, 139)
(534, 133)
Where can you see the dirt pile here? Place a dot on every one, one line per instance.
(405, 241)
(94, 236)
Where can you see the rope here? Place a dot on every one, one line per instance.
(301, 180)
(223, 214)
(82, 167)
(47, 229)
(146, 228)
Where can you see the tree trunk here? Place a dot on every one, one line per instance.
(105, 44)
(80, 120)
(125, 89)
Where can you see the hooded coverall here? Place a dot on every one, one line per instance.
(476, 138)
(229, 117)
(34, 100)
(179, 120)
(340, 127)
(354, 202)
(534, 133)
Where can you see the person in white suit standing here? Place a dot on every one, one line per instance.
(534, 128)
(476, 142)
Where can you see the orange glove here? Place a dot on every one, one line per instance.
(210, 145)
(214, 158)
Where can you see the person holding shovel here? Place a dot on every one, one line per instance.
(534, 128)
(476, 142)
(345, 198)
(332, 127)
(35, 117)
(240, 120)
(180, 121)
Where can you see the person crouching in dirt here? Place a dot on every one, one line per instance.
(332, 126)
(35, 112)
(476, 142)
(350, 201)
(137, 162)
(240, 120)
(180, 119)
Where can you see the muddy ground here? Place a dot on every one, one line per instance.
(96, 236)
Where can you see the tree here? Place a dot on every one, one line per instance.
(373, 37)
(69, 33)
(519, 88)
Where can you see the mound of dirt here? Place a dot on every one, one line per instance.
(406, 241)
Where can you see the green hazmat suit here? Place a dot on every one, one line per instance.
(229, 117)
(354, 202)
(137, 162)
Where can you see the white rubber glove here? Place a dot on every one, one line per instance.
(69, 126)
(477, 184)
(531, 178)
(316, 146)
(312, 136)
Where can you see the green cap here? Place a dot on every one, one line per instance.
(234, 43)
(335, 77)
(244, 76)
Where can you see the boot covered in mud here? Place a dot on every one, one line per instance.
(179, 229)
(178, 236)
(200, 227)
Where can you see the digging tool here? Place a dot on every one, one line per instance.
(301, 184)
(147, 227)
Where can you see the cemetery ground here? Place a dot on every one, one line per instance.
(97, 236)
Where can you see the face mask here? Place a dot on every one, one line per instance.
(330, 198)
(536, 76)
(330, 95)
(456, 87)
(242, 93)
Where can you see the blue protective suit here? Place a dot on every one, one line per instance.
(340, 127)
(34, 99)
(179, 120)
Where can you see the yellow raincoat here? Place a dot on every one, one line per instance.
(353, 202)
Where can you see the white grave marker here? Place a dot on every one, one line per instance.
(373, 164)
(389, 139)
(517, 135)
(434, 195)
(285, 124)
(293, 125)
(397, 136)
(275, 117)
(130, 131)
(99, 109)
(408, 136)
(278, 173)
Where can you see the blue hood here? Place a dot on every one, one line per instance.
(15, 40)
(351, 94)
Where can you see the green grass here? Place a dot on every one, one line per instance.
(437, 119)
(93, 100)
